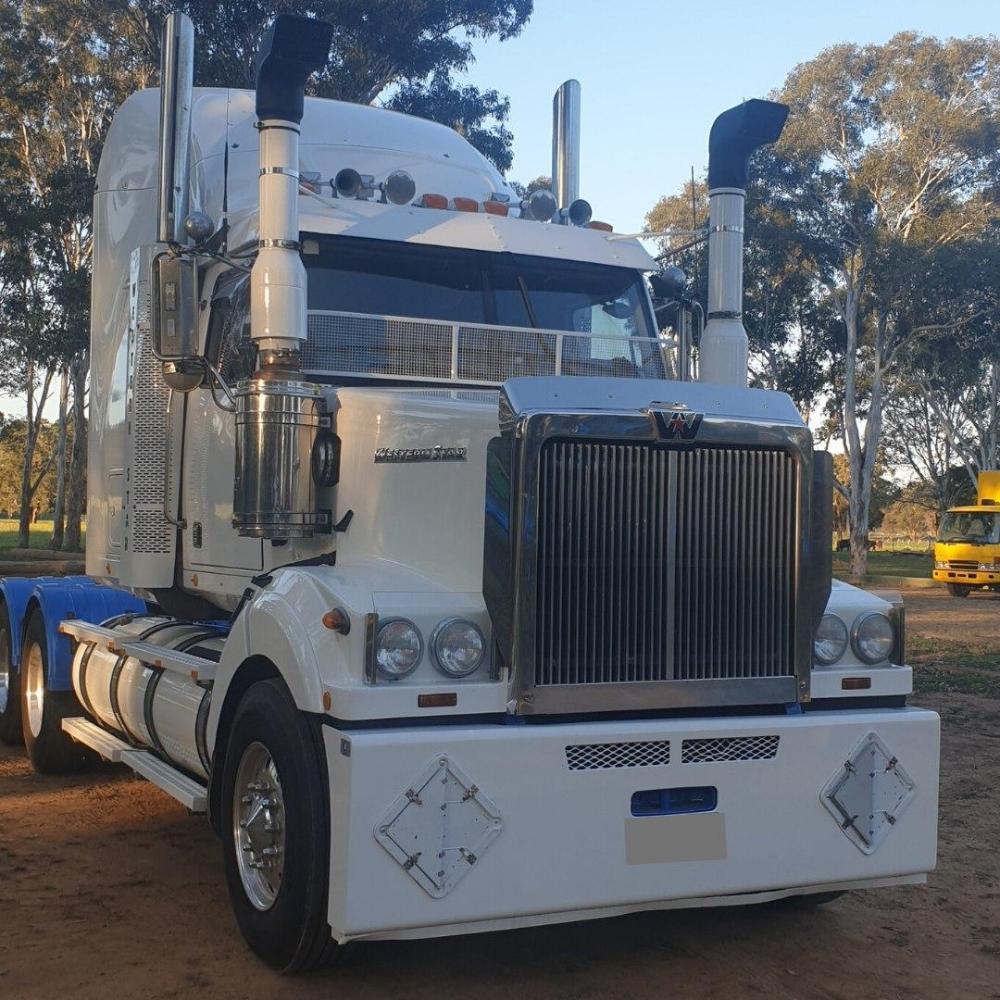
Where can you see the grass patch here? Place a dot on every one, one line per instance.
(41, 534)
(888, 563)
(969, 666)
(927, 680)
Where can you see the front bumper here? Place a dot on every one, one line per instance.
(570, 847)
(969, 578)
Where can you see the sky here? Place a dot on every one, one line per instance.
(654, 75)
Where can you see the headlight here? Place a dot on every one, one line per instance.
(989, 567)
(398, 648)
(873, 637)
(940, 563)
(830, 643)
(458, 647)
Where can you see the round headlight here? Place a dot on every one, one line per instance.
(873, 637)
(458, 647)
(398, 648)
(830, 643)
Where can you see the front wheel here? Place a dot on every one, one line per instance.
(276, 829)
(10, 692)
(959, 589)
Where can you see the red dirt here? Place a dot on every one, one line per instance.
(111, 890)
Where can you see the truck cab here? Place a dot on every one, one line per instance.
(967, 550)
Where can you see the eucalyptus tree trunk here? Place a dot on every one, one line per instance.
(76, 499)
(33, 423)
(59, 509)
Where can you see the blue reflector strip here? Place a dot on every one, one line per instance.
(665, 801)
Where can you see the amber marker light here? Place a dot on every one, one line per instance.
(446, 699)
(605, 227)
(432, 201)
(855, 683)
(496, 207)
(337, 620)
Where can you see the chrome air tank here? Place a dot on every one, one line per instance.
(149, 706)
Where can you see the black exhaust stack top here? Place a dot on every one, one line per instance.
(292, 49)
(736, 134)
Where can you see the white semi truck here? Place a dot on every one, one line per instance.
(410, 565)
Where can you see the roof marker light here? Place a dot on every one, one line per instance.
(459, 204)
(492, 207)
(604, 227)
(432, 201)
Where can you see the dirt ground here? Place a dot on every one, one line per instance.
(110, 890)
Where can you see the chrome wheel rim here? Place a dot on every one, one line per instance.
(34, 688)
(259, 826)
(4, 669)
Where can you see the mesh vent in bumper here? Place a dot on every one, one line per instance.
(594, 756)
(727, 748)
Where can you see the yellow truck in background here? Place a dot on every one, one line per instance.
(967, 551)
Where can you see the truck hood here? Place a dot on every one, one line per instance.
(413, 474)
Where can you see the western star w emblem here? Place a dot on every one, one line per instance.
(676, 424)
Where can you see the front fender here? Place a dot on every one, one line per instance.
(282, 623)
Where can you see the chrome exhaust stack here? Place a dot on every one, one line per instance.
(566, 144)
(735, 135)
(176, 95)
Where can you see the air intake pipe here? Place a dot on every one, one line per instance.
(291, 51)
(277, 415)
(736, 134)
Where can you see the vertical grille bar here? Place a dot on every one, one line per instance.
(657, 564)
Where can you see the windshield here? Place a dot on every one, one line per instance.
(970, 526)
(488, 297)
(469, 286)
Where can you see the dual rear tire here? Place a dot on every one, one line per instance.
(42, 710)
(10, 689)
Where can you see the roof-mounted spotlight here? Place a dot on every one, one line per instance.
(579, 213)
(540, 205)
(350, 184)
(399, 188)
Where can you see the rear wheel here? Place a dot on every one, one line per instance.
(50, 750)
(10, 694)
(959, 589)
(275, 829)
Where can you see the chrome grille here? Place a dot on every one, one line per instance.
(657, 564)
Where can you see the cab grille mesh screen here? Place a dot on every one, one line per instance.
(728, 748)
(395, 348)
(596, 756)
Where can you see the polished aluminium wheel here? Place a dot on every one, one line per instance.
(259, 826)
(33, 678)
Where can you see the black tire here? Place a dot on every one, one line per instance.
(959, 589)
(292, 933)
(813, 899)
(10, 691)
(50, 750)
